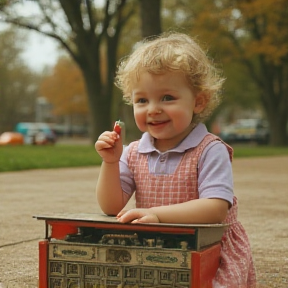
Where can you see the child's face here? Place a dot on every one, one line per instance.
(164, 106)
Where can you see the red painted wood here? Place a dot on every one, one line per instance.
(205, 264)
(60, 227)
(43, 262)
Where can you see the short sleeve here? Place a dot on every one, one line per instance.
(215, 177)
(126, 175)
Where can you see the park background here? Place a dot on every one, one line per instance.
(76, 94)
(73, 91)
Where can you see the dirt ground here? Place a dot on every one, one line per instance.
(260, 185)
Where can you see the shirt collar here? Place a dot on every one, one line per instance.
(146, 143)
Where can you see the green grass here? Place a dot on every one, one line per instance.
(16, 158)
(258, 151)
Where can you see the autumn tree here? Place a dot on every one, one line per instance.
(82, 28)
(64, 88)
(18, 85)
(253, 33)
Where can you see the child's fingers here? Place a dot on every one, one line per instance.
(106, 141)
(100, 145)
(122, 212)
(150, 218)
(130, 215)
(109, 136)
(137, 216)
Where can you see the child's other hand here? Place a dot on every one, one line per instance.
(109, 146)
(137, 216)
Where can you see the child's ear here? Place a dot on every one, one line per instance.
(201, 101)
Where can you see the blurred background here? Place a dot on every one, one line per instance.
(58, 61)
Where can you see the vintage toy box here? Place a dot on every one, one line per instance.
(95, 251)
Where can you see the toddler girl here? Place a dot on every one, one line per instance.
(180, 172)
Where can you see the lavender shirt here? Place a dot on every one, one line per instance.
(215, 178)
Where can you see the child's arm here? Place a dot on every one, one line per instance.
(108, 189)
(194, 211)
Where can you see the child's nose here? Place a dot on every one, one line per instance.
(154, 109)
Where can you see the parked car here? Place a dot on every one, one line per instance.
(246, 130)
(36, 133)
(11, 138)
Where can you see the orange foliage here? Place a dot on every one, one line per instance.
(259, 26)
(65, 89)
(270, 18)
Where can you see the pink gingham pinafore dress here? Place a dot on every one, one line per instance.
(236, 268)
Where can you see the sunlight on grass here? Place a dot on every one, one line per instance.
(15, 158)
(36, 157)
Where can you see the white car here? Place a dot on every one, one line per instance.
(246, 130)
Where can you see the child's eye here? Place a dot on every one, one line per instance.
(167, 98)
(141, 100)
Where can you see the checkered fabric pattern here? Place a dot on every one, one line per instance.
(236, 268)
(158, 189)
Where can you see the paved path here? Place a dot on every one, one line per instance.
(260, 185)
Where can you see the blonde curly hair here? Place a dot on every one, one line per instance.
(172, 52)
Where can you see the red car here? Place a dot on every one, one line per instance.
(11, 138)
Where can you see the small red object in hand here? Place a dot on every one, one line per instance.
(117, 127)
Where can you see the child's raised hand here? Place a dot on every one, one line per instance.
(109, 146)
(137, 215)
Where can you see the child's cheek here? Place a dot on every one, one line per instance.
(140, 121)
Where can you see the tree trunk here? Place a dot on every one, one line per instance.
(278, 132)
(150, 17)
(275, 100)
(99, 104)
(100, 87)
(277, 118)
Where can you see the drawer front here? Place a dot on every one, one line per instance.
(125, 255)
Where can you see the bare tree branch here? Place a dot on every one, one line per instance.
(45, 33)
(91, 16)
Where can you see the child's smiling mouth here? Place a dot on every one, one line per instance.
(158, 123)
